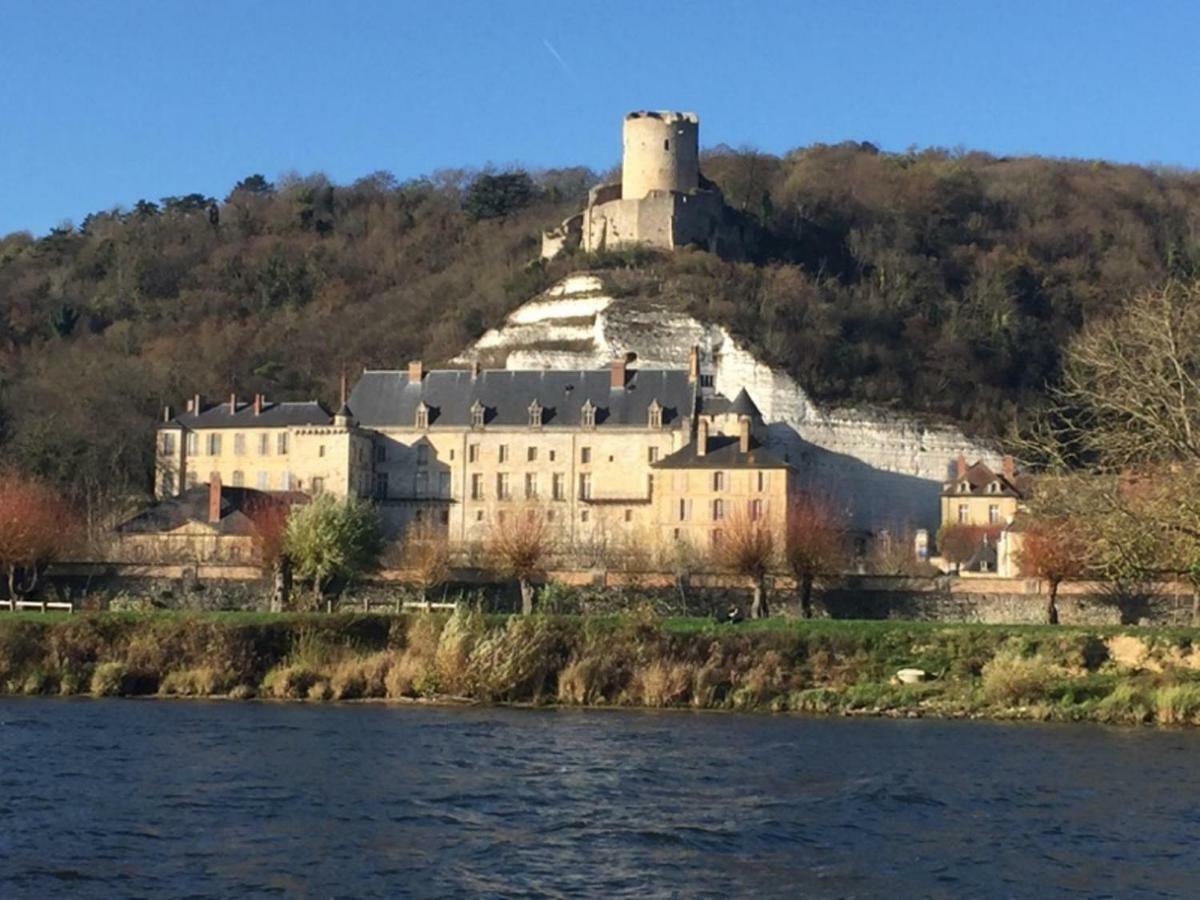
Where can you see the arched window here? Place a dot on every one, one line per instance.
(654, 414)
(476, 414)
(588, 414)
(535, 415)
(422, 416)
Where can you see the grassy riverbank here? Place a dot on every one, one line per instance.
(1122, 675)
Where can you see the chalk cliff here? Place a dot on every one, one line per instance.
(886, 467)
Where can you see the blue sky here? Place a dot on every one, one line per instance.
(107, 102)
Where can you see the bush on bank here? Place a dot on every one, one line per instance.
(637, 659)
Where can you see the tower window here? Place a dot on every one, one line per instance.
(667, 144)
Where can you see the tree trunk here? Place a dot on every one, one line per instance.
(806, 585)
(317, 595)
(526, 597)
(282, 591)
(1052, 605)
(758, 605)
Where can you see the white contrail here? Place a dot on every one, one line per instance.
(562, 62)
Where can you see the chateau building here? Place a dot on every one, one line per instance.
(610, 455)
(976, 495)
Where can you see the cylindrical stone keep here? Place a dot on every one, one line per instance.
(662, 153)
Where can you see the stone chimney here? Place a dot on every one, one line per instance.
(345, 393)
(416, 371)
(188, 406)
(702, 437)
(960, 466)
(166, 414)
(258, 404)
(744, 434)
(476, 369)
(197, 404)
(694, 364)
(1008, 467)
(214, 498)
(232, 404)
(618, 374)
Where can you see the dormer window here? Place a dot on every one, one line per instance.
(535, 415)
(422, 416)
(994, 487)
(963, 487)
(476, 414)
(654, 414)
(587, 414)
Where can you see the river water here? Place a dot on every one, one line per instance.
(113, 798)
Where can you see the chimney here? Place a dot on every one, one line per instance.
(476, 369)
(166, 414)
(415, 371)
(189, 406)
(694, 364)
(1008, 467)
(744, 434)
(960, 466)
(197, 404)
(344, 393)
(258, 404)
(214, 498)
(232, 404)
(702, 437)
(618, 374)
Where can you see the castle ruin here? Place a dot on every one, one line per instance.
(662, 199)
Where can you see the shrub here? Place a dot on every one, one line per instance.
(1012, 678)
(289, 682)
(663, 683)
(200, 682)
(460, 634)
(361, 677)
(1127, 704)
(1178, 704)
(517, 661)
(108, 679)
(406, 677)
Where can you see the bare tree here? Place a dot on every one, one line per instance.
(747, 547)
(269, 516)
(425, 556)
(36, 527)
(518, 542)
(816, 544)
(1053, 550)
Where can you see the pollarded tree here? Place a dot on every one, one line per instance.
(269, 517)
(332, 539)
(518, 543)
(1055, 551)
(816, 544)
(36, 527)
(425, 556)
(747, 546)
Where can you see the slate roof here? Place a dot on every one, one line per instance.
(977, 478)
(273, 415)
(237, 505)
(723, 453)
(389, 399)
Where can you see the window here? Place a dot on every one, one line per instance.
(443, 484)
(706, 381)
(685, 509)
(422, 454)
(718, 510)
(239, 444)
(321, 450)
(667, 144)
(504, 453)
(531, 454)
(655, 415)
(993, 514)
(451, 454)
(318, 485)
(167, 483)
(718, 481)
(476, 414)
(535, 415)
(629, 515)
(422, 484)
(716, 537)
(239, 479)
(264, 444)
(166, 446)
(213, 445)
(756, 510)
(193, 443)
(557, 488)
(963, 517)
(585, 486)
(476, 486)
(677, 533)
(652, 455)
(473, 453)
(380, 453)
(503, 492)
(285, 481)
(444, 517)
(422, 416)
(585, 455)
(551, 456)
(583, 516)
(261, 481)
(762, 481)
(531, 485)
(479, 516)
(587, 415)
(281, 444)
(963, 487)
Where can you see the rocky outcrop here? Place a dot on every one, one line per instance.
(887, 468)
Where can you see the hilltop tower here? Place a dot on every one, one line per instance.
(662, 199)
(661, 153)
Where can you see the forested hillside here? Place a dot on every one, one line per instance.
(934, 282)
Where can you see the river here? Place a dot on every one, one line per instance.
(114, 798)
